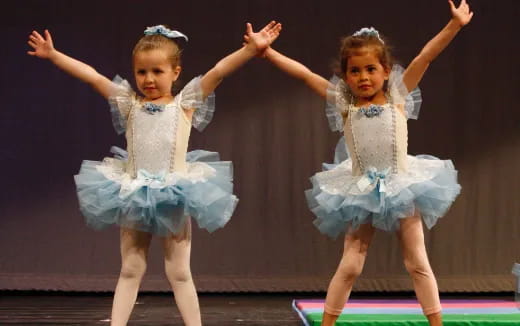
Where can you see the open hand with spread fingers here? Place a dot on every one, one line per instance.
(42, 47)
(262, 39)
(461, 14)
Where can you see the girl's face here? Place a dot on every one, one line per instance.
(154, 74)
(366, 76)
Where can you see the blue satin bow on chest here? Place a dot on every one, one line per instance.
(153, 108)
(372, 110)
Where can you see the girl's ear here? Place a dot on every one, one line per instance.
(387, 72)
(176, 72)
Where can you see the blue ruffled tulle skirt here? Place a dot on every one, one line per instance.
(158, 204)
(341, 201)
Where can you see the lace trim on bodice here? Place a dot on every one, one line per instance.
(373, 138)
(153, 138)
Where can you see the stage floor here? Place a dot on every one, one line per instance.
(151, 310)
(406, 312)
(41, 308)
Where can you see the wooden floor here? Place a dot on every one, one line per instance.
(43, 308)
(150, 310)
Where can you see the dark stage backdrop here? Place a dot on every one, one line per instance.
(273, 129)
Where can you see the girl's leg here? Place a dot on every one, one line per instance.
(351, 264)
(177, 265)
(411, 238)
(134, 249)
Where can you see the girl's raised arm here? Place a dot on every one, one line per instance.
(44, 48)
(258, 43)
(299, 71)
(415, 71)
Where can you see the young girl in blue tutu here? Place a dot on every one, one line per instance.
(380, 186)
(156, 186)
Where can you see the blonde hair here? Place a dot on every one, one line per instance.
(156, 41)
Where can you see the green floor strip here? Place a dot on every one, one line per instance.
(419, 320)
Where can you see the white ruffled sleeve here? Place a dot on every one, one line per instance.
(337, 103)
(399, 94)
(192, 98)
(121, 99)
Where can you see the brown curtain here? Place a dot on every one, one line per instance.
(273, 129)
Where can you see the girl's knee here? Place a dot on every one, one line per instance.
(416, 268)
(349, 271)
(178, 274)
(133, 270)
(351, 264)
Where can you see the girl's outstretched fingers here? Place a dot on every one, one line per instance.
(262, 39)
(272, 29)
(34, 40)
(461, 14)
(269, 27)
(249, 29)
(42, 47)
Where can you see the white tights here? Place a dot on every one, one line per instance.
(134, 250)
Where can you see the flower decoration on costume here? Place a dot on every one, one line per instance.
(164, 31)
(153, 108)
(369, 31)
(372, 110)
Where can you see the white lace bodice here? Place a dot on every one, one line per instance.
(379, 141)
(374, 141)
(158, 142)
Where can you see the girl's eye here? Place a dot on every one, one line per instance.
(371, 69)
(140, 72)
(354, 70)
(157, 71)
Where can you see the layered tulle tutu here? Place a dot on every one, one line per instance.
(158, 203)
(342, 197)
(341, 200)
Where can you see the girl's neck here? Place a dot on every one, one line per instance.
(165, 99)
(378, 99)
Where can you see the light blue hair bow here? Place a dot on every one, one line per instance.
(164, 31)
(370, 31)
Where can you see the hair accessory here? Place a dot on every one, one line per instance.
(164, 31)
(369, 31)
